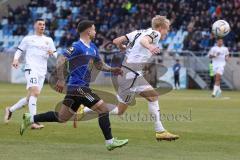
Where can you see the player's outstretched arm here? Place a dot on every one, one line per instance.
(60, 73)
(146, 42)
(100, 65)
(119, 42)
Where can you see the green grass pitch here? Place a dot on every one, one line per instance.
(209, 130)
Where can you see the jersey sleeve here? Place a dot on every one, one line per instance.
(23, 45)
(70, 52)
(227, 52)
(131, 36)
(52, 45)
(211, 52)
(154, 35)
(53, 48)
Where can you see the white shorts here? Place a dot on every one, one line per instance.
(129, 85)
(218, 70)
(34, 79)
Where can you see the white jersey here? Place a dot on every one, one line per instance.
(136, 53)
(37, 48)
(220, 53)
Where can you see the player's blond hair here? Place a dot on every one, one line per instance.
(160, 21)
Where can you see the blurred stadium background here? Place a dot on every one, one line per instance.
(211, 133)
(189, 39)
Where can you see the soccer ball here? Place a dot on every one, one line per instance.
(220, 28)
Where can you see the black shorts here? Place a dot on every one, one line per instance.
(80, 95)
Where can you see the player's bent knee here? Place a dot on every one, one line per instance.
(100, 107)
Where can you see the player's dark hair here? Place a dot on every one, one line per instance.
(38, 19)
(219, 38)
(83, 25)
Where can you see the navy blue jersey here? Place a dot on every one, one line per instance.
(81, 58)
(176, 68)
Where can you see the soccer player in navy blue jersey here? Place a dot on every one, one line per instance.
(81, 57)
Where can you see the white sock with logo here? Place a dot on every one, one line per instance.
(113, 109)
(154, 110)
(32, 105)
(18, 105)
(215, 88)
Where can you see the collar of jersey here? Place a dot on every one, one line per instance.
(84, 43)
(38, 35)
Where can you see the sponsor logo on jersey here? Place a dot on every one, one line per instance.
(70, 50)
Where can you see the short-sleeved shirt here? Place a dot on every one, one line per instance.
(136, 53)
(36, 48)
(220, 53)
(81, 58)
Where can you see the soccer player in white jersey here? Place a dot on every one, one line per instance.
(142, 44)
(219, 55)
(38, 48)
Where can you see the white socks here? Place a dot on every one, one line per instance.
(155, 112)
(88, 110)
(110, 141)
(32, 105)
(18, 105)
(31, 119)
(90, 114)
(113, 109)
(215, 89)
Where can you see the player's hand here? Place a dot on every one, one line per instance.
(15, 63)
(117, 71)
(215, 54)
(153, 49)
(122, 47)
(60, 86)
(50, 53)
